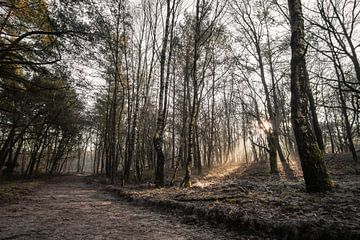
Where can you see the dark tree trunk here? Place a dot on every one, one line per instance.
(6, 146)
(197, 151)
(348, 129)
(12, 161)
(269, 133)
(160, 125)
(272, 153)
(341, 78)
(194, 107)
(312, 159)
(315, 121)
(244, 132)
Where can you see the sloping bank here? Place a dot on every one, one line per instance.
(221, 211)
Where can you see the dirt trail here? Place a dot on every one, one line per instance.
(71, 209)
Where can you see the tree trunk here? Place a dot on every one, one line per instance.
(270, 132)
(194, 106)
(12, 161)
(347, 123)
(341, 78)
(272, 153)
(197, 151)
(6, 146)
(315, 121)
(312, 159)
(160, 125)
(244, 121)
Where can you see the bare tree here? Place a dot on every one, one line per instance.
(312, 159)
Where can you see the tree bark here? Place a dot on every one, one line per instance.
(312, 159)
(315, 122)
(161, 115)
(194, 107)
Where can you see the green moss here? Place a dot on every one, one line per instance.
(318, 155)
(187, 184)
(330, 184)
(230, 200)
(318, 179)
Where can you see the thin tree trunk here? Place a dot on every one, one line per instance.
(315, 122)
(161, 114)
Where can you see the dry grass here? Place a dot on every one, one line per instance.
(11, 191)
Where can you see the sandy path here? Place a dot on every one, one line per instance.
(71, 209)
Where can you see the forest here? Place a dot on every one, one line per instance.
(240, 118)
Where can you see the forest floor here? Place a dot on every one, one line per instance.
(68, 208)
(246, 198)
(12, 191)
(235, 201)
